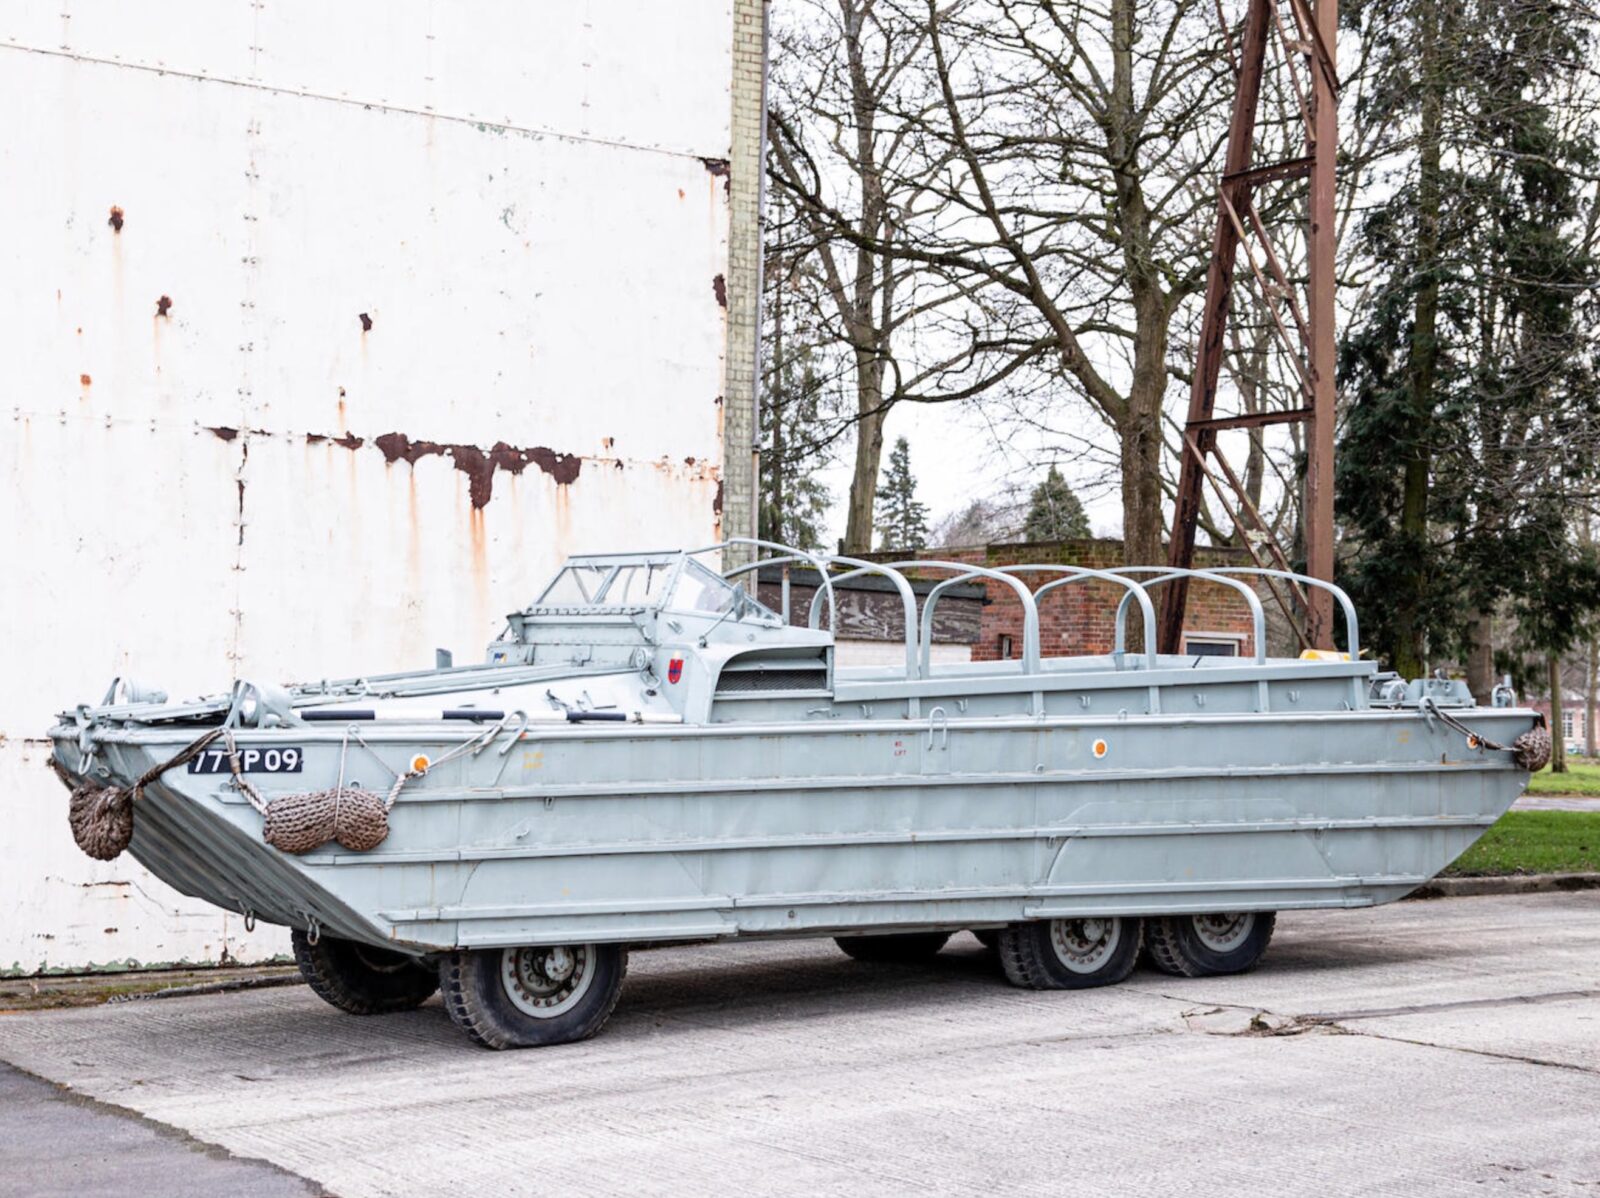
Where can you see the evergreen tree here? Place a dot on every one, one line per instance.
(902, 521)
(1054, 513)
(1473, 399)
(794, 504)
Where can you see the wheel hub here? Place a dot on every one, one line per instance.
(1224, 932)
(1085, 945)
(545, 981)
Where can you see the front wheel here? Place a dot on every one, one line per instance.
(531, 997)
(361, 979)
(1200, 946)
(1069, 954)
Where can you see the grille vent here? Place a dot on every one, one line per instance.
(746, 682)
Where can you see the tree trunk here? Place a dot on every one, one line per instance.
(1480, 657)
(1591, 718)
(869, 453)
(1411, 634)
(1558, 738)
(1142, 527)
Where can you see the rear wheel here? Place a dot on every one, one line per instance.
(898, 948)
(530, 997)
(1198, 946)
(1069, 954)
(361, 979)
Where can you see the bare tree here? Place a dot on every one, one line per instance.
(850, 98)
(1066, 146)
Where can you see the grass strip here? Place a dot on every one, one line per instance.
(1535, 842)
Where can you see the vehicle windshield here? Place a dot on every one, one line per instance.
(700, 590)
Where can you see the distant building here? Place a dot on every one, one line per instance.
(1574, 729)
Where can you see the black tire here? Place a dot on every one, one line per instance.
(1201, 946)
(361, 979)
(1069, 954)
(899, 948)
(493, 994)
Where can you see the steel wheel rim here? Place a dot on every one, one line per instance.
(547, 981)
(1085, 945)
(1225, 931)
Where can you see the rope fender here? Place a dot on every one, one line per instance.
(1531, 750)
(101, 817)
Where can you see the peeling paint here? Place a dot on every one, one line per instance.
(719, 288)
(116, 219)
(164, 305)
(224, 433)
(366, 327)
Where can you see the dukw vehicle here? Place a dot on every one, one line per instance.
(650, 755)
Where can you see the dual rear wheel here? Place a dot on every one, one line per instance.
(1075, 954)
(1083, 952)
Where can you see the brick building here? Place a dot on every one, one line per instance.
(1081, 618)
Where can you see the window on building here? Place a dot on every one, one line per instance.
(1212, 644)
(1569, 724)
(1005, 646)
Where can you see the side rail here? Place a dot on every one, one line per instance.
(908, 601)
(1352, 640)
(1258, 617)
(966, 573)
(1074, 574)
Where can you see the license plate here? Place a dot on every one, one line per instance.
(286, 760)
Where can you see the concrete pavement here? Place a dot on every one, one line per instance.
(1432, 1048)
(1556, 803)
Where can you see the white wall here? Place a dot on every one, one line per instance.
(527, 201)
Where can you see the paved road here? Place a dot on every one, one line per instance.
(1557, 803)
(1444, 1047)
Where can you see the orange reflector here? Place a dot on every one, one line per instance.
(1101, 748)
(420, 763)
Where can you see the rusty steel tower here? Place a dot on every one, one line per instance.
(1301, 35)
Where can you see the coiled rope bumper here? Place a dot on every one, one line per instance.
(101, 817)
(1531, 750)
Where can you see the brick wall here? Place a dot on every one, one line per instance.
(1080, 618)
(744, 278)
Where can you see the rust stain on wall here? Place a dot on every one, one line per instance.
(366, 322)
(116, 219)
(719, 288)
(350, 441)
(164, 305)
(480, 466)
(223, 432)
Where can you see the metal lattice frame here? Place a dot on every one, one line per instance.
(1303, 32)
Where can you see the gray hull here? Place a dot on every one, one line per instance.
(632, 834)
